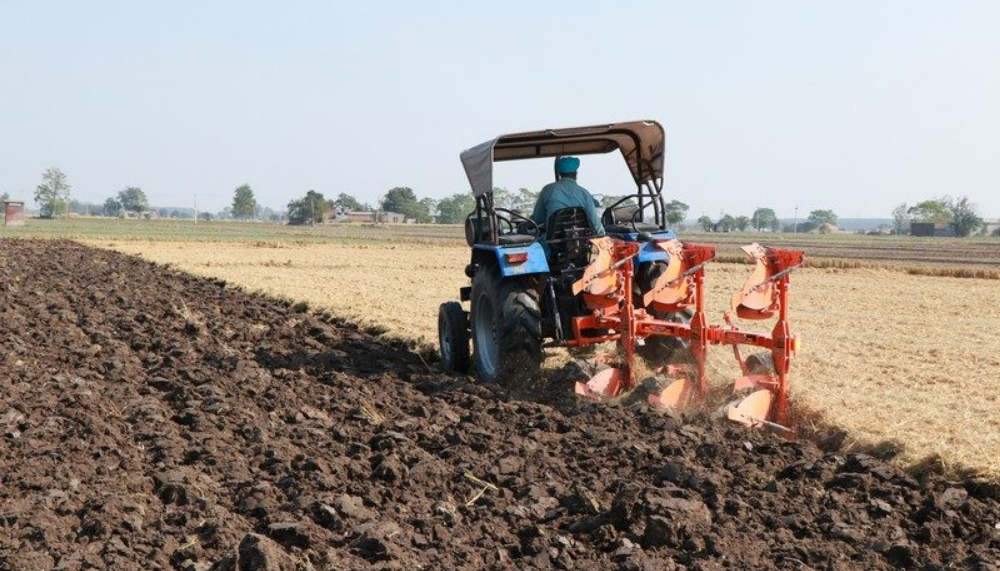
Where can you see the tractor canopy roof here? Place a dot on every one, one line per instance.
(640, 143)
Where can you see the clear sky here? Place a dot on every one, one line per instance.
(850, 105)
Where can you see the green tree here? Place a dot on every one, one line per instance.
(764, 218)
(428, 210)
(706, 223)
(404, 201)
(244, 202)
(676, 212)
(52, 196)
(400, 199)
(5, 197)
(77, 207)
(820, 217)
(901, 219)
(112, 207)
(742, 223)
(265, 213)
(503, 198)
(526, 199)
(310, 209)
(964, 218)
(348, 203)
(133, 199)
(934, 210)
(728, 223)
(454, 209)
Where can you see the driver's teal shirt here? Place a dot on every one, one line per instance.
(566, 193)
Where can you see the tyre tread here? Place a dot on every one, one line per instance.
(457, 322)
(519, 325)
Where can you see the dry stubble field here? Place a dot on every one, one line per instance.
(908, 361)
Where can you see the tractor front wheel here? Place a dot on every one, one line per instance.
(453, 338)
(506, 328)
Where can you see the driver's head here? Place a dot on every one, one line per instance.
(567, 166)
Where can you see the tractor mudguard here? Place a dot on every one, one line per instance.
(533, 255)
(649, 252)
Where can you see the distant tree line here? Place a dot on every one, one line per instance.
(766, 220)
(453, 209)
(960, 214)
(316, 208)
(53, 197)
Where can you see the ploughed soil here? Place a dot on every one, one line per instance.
(154, 420)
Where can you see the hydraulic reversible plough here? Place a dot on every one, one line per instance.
(607, 289)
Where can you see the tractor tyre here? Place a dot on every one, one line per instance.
(760, 363)
(506, 328)
(453, 338)
(662, 349)
(658, 350)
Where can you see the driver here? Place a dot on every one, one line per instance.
(566, 193)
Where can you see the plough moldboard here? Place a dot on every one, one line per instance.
(607, 289)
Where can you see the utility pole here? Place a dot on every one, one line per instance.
(196, 208)
(795, 228)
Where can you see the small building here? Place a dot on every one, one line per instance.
(13, 213)
(364, 217)
(392, 218)
(931, 230)
(369, 217)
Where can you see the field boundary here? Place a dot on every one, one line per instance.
(847, 264)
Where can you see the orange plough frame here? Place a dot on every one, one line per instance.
(607, 286)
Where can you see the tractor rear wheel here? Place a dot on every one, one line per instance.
(453, 338)
(506, 328)
(658, 350)
(662, 349)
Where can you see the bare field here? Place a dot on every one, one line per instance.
(892, 358)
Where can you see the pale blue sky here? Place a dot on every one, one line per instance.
(850, 105)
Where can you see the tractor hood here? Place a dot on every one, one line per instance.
(640, 143)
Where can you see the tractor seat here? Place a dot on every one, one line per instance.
(515, 239)
(627, 228)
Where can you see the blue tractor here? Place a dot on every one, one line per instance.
(521, 296)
